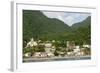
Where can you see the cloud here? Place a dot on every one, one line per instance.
(67, 17)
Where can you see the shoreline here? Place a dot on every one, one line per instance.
(66, 58)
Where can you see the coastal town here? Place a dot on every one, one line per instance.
(40, 50)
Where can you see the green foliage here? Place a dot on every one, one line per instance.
(55, 53)
(69, 50)
(33, 50)
(39, 49)
(28, 50)
(60, 44)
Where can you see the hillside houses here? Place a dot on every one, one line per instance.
(54, 48)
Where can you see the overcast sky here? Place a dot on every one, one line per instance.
(67, 17)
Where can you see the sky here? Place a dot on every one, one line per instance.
(68, 18)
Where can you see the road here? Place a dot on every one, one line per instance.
(56, 58)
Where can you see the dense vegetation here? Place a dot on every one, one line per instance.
(38, 26)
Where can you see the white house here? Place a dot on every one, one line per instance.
(53, 41)
(79, 54)
(50, 54)
(43, 54)
(31, 43)
(86, 46)
(48, 45)
(70, 53)
(36, 54)
(77, 49)
(27, 54)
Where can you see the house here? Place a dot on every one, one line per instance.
(40, 54)
(43, 55)
(70, 44)
(79, 53)
(27, 55)
(86, 46)
(48, 45)
(50, 54)
(39, 41)
(77, 49)
(53, 41)
(36, 54)
(31, 43)
(53, 48)
(70, 53)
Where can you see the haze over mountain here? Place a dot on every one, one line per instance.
(68, 18)
(38, 26)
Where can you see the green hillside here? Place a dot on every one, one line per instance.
(84, 23)
(81, 32)
(36, 25)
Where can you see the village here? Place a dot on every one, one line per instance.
(51, 49)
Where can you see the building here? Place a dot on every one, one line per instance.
(70, 44)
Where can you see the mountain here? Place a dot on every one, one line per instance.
(84, 23)
(38, 26)
(82, 31)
